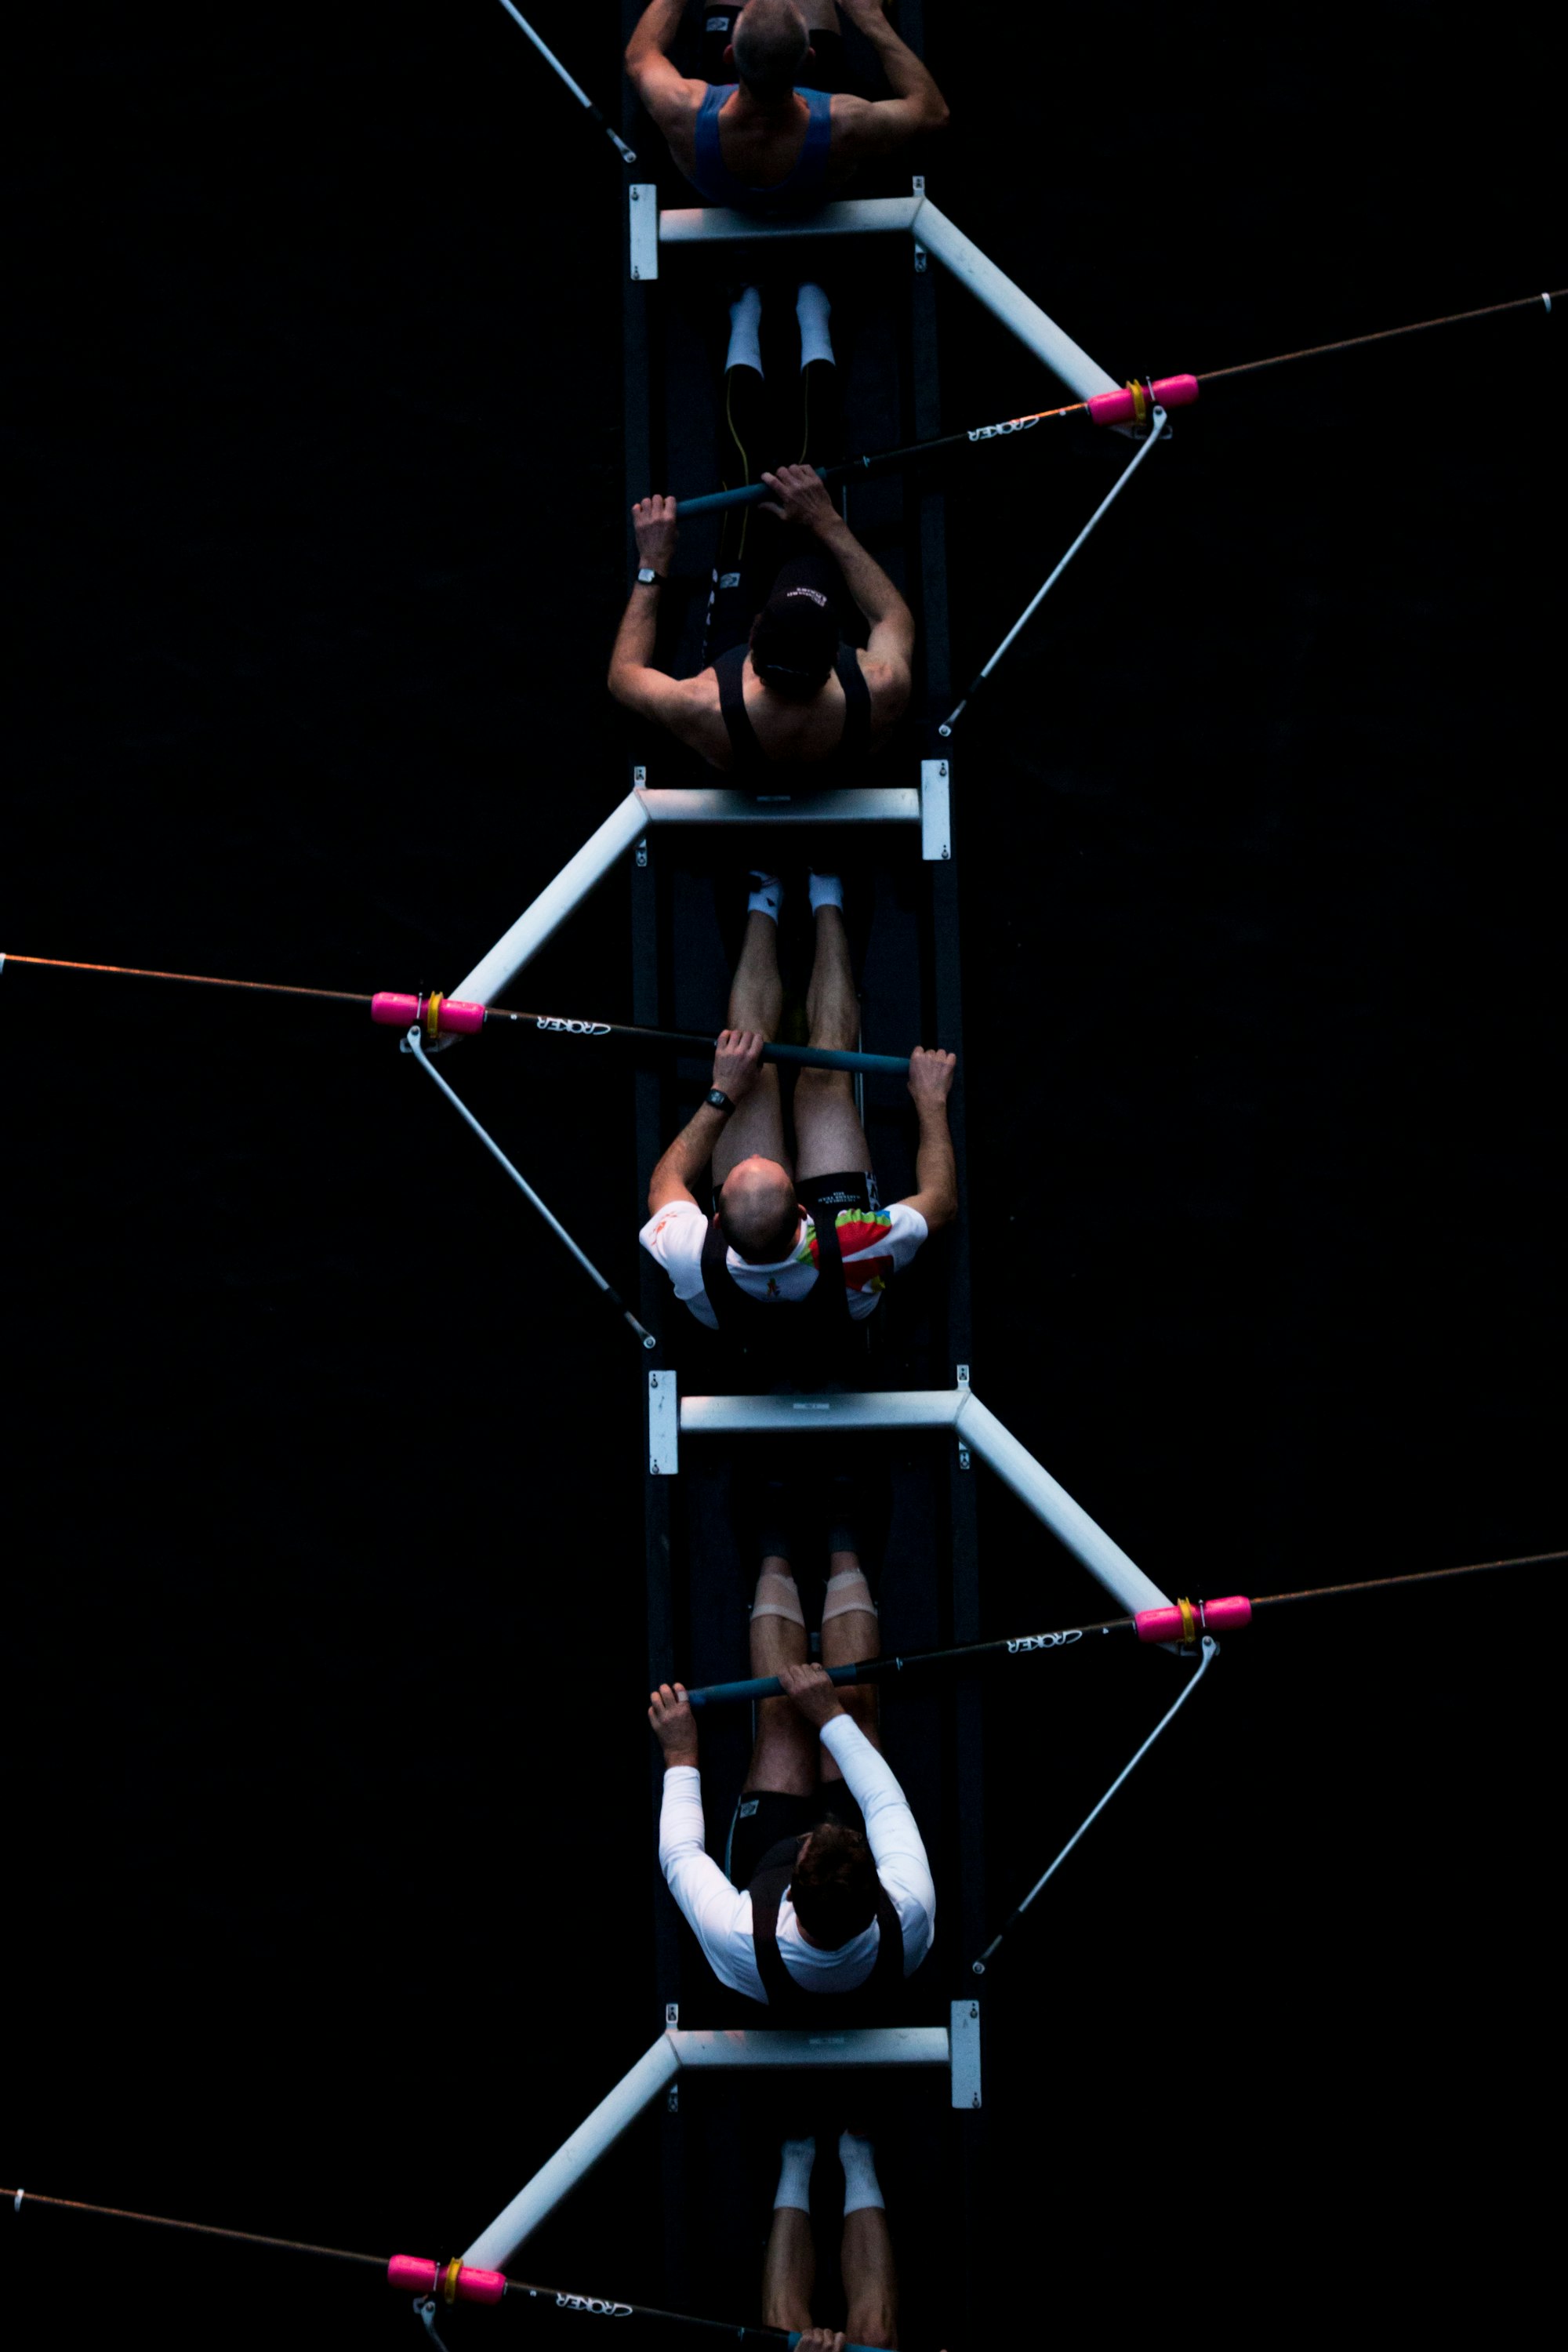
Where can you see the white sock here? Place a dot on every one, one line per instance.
(858, 2158)
(812, 308)
(827, 890)
(745, 326)
(795, 2175)
(767, 896)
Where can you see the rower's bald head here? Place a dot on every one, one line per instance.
(770, 43)
(758, 1213)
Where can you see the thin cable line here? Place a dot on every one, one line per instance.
(1417, 1575)
(1383, 335)
(19, 2196)
(191, 979)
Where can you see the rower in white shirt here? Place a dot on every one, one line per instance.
(828, 1889)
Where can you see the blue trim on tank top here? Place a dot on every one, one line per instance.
(712, 178)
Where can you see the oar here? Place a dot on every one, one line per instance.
(446, 2282)
(1187, 1623)
(715, 501)
(578, 92)
(1131, 405)
(448, 1016)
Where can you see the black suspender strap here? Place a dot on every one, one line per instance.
(750, 759)
(746, 750)
(767, 1891)
(725, 1296)
(736, 1312)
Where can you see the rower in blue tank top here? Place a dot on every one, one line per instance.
(782, 135)
(803, 185)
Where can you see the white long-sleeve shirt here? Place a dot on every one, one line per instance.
(720, 1915)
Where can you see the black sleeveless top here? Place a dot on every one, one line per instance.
(750, 763)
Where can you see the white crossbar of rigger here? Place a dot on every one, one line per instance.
(715, 806)
(960, 1409)
(880, 2046)
(710, 805)
(541, 919)
(913, 215)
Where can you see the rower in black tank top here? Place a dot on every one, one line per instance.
(750, 763)
(797, 642)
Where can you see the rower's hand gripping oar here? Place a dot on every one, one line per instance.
(1129, 406)
(447, 1016)
(1106, 408)
(578, 92)
(1182, 1622)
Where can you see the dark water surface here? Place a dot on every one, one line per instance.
(323, 1748)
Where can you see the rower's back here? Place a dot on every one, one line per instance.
(770, 123)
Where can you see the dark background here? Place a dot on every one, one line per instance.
(323, 1754)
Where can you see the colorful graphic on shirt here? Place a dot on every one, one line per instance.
(873, 1243)
(858, 1230)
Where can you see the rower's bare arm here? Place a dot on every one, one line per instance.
(652, 694)
(872, 126)
(931, 1073)
(632, 677)
(669, 96)
(801, 497)
(737, 1058)
(891, 644)
(634, 680)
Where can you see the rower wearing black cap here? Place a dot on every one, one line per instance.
(795, 694)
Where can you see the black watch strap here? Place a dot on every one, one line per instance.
(716, 1099)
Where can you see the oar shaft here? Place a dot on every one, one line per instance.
(1385, 335)
(801, 1057)
(404, 1011)
(885, 1669)
(1157, 1626)
(189, 979)
(20, 2199)
(1417, 1575)
(412, 2275)
(717, 501)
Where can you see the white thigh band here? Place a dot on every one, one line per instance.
(846, 1591)
(778, 1596)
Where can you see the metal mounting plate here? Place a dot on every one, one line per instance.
(663, 1426)
(964, 2037)
(642, 201)
(936, 815)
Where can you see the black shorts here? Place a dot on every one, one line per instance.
(855, 1188)
(765, 1818)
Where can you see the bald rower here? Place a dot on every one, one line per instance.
(783, 134)
(800, 1247)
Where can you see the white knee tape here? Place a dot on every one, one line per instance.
(778, 1596)
(846, 1591)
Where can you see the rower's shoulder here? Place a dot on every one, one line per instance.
(698, 718)
(671, 99)
(888, 685)
(851, 120)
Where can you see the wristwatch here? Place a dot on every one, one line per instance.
(647, 577)
(716, 1099)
